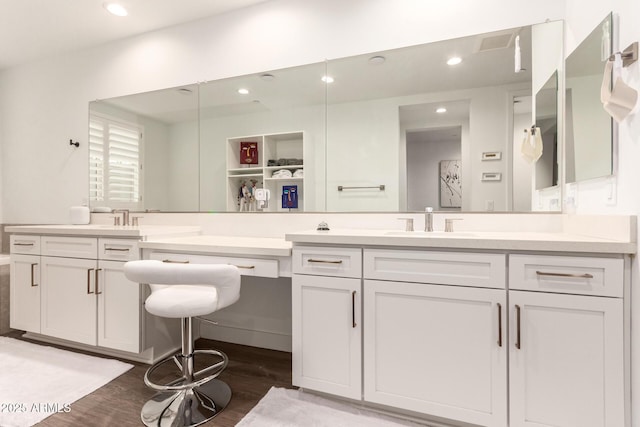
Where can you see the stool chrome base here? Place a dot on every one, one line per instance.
(190, 407)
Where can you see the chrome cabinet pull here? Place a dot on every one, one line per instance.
(98, 270)
(353, 309)
(175, 262)
(248, 267)
(89, 270)
(22, 244)
(581, 276)
(117, 249)
(499, 325)
(325, 261)
(33, 275)
(518, 344)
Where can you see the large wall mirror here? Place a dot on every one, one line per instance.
(589, 129)
(389, 131)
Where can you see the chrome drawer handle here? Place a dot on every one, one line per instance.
(324, 261)
(175, 262)
(22, 244)
(581, 276)
(117, 249)
(518, 342)
(33, 283)
(249, 267)
(499, 325)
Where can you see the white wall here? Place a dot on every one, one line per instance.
(45, 103)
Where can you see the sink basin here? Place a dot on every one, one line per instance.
(430, 234)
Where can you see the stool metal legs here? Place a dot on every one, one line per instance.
(187, 401)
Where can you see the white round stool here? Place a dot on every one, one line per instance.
(186, 291)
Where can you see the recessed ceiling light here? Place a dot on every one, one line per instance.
(267, 77)
(375, 60)
(327, 79)
(116, 9)
(454, 60)
(441, 110)
(243, 91)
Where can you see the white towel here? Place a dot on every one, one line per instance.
(531, 147)
(622, 99)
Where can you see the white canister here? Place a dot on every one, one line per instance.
(79, 214)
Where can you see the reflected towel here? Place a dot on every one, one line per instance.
(531, 147)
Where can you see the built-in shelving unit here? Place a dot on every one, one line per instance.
(277, 147)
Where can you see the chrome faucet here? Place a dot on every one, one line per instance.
(428, 219)
(125, 215)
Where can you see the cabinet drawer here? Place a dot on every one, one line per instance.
(567, 275)
(445, 268)
(70, 247)
(246, 266)
(322, 261)
(118, 249)
(21, 244)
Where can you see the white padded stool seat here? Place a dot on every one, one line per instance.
(185, 290)
(182, 301)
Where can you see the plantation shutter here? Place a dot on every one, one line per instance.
(114, 162)
(96, 160)
(124, 166)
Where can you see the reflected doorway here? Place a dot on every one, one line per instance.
(434, 168)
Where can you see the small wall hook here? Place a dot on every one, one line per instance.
(76, 144)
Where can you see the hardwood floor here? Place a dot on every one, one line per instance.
(250, 374)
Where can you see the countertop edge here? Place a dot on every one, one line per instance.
(579, 246)
(216, 249)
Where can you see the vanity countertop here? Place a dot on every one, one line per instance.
(515, 241)
(101, 230)
(253, 246)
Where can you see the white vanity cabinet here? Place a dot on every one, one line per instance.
(82, 294)
(25, 283)
(435, 333)
(567, 341)
(502, 339)
(327, 327)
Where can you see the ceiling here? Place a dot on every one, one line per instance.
(34, 29)
(405, 71)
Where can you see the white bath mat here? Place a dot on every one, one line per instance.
(292, 408)
(37, 381)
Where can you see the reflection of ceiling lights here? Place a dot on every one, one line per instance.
(327, 79)
(454, 60)
(441, 110)
(267, 77)
(243, 91)
(116, 9)
(184, 91)
(375, 60)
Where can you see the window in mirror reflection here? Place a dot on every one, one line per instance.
(114, 162)
(169, 177)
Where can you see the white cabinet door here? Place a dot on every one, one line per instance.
(326, 333)
(25, 292)
(119, 308)
(68, 298)
(436, 349)
(566, 360)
